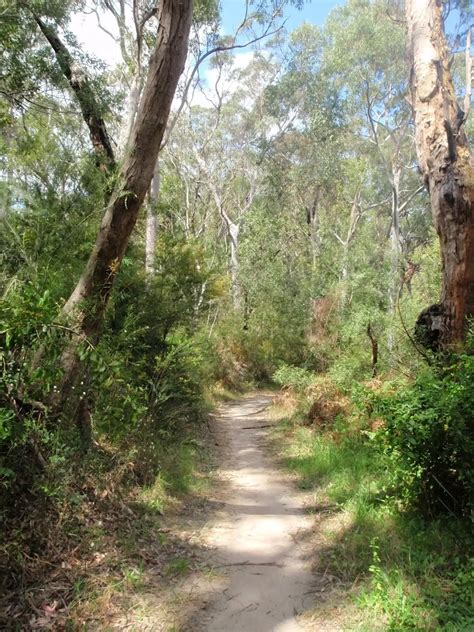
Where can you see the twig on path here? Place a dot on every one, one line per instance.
(250, 564)
(260, 410)
(256, 427)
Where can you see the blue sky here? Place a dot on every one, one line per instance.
(314, 12)
(233, 11)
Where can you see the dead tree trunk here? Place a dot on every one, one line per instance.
(86, 305)
(445, 161)
(375, 348)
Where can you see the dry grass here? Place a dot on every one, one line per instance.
(327, 403)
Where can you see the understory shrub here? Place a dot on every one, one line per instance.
(294, 377)
(427, 437)
(407, 572)
(320, 401)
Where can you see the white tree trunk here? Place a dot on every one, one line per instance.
(233, 231)
(394, 284)
(152, 223)
(356, 214)
(133, 101)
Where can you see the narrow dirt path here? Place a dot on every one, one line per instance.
(265, 584)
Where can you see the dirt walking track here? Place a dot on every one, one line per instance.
(265, 584)
(248, 542)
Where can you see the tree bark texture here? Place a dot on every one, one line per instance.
(86, 305)
(445, 161)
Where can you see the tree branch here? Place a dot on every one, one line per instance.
(341, 241)
(203, 57)
(413, 194)
(80, 85)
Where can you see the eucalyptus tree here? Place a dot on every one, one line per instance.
(215, 154)
(445, 160)
(50, 167)
(364, 55)
(342, 157)
(258, 22)
(128, 183)
(135, 36)
(306, 143)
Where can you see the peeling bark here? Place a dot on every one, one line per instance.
(445, 161)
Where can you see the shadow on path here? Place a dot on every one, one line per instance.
(264, 582)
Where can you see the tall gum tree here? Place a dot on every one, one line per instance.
(85, 307)
(445, 160)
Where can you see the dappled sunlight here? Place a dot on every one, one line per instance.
(237, 315)
(255, 536)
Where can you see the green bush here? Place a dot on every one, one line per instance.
(427, 437)
(144, 378)
(147, 368)
(293, 377)
(26, 319)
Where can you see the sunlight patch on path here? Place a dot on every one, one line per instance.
(266, 583)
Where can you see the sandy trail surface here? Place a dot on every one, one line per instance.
(254, 533)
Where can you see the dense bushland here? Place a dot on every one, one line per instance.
(144, 387)
(426, 435)
(286, 238)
